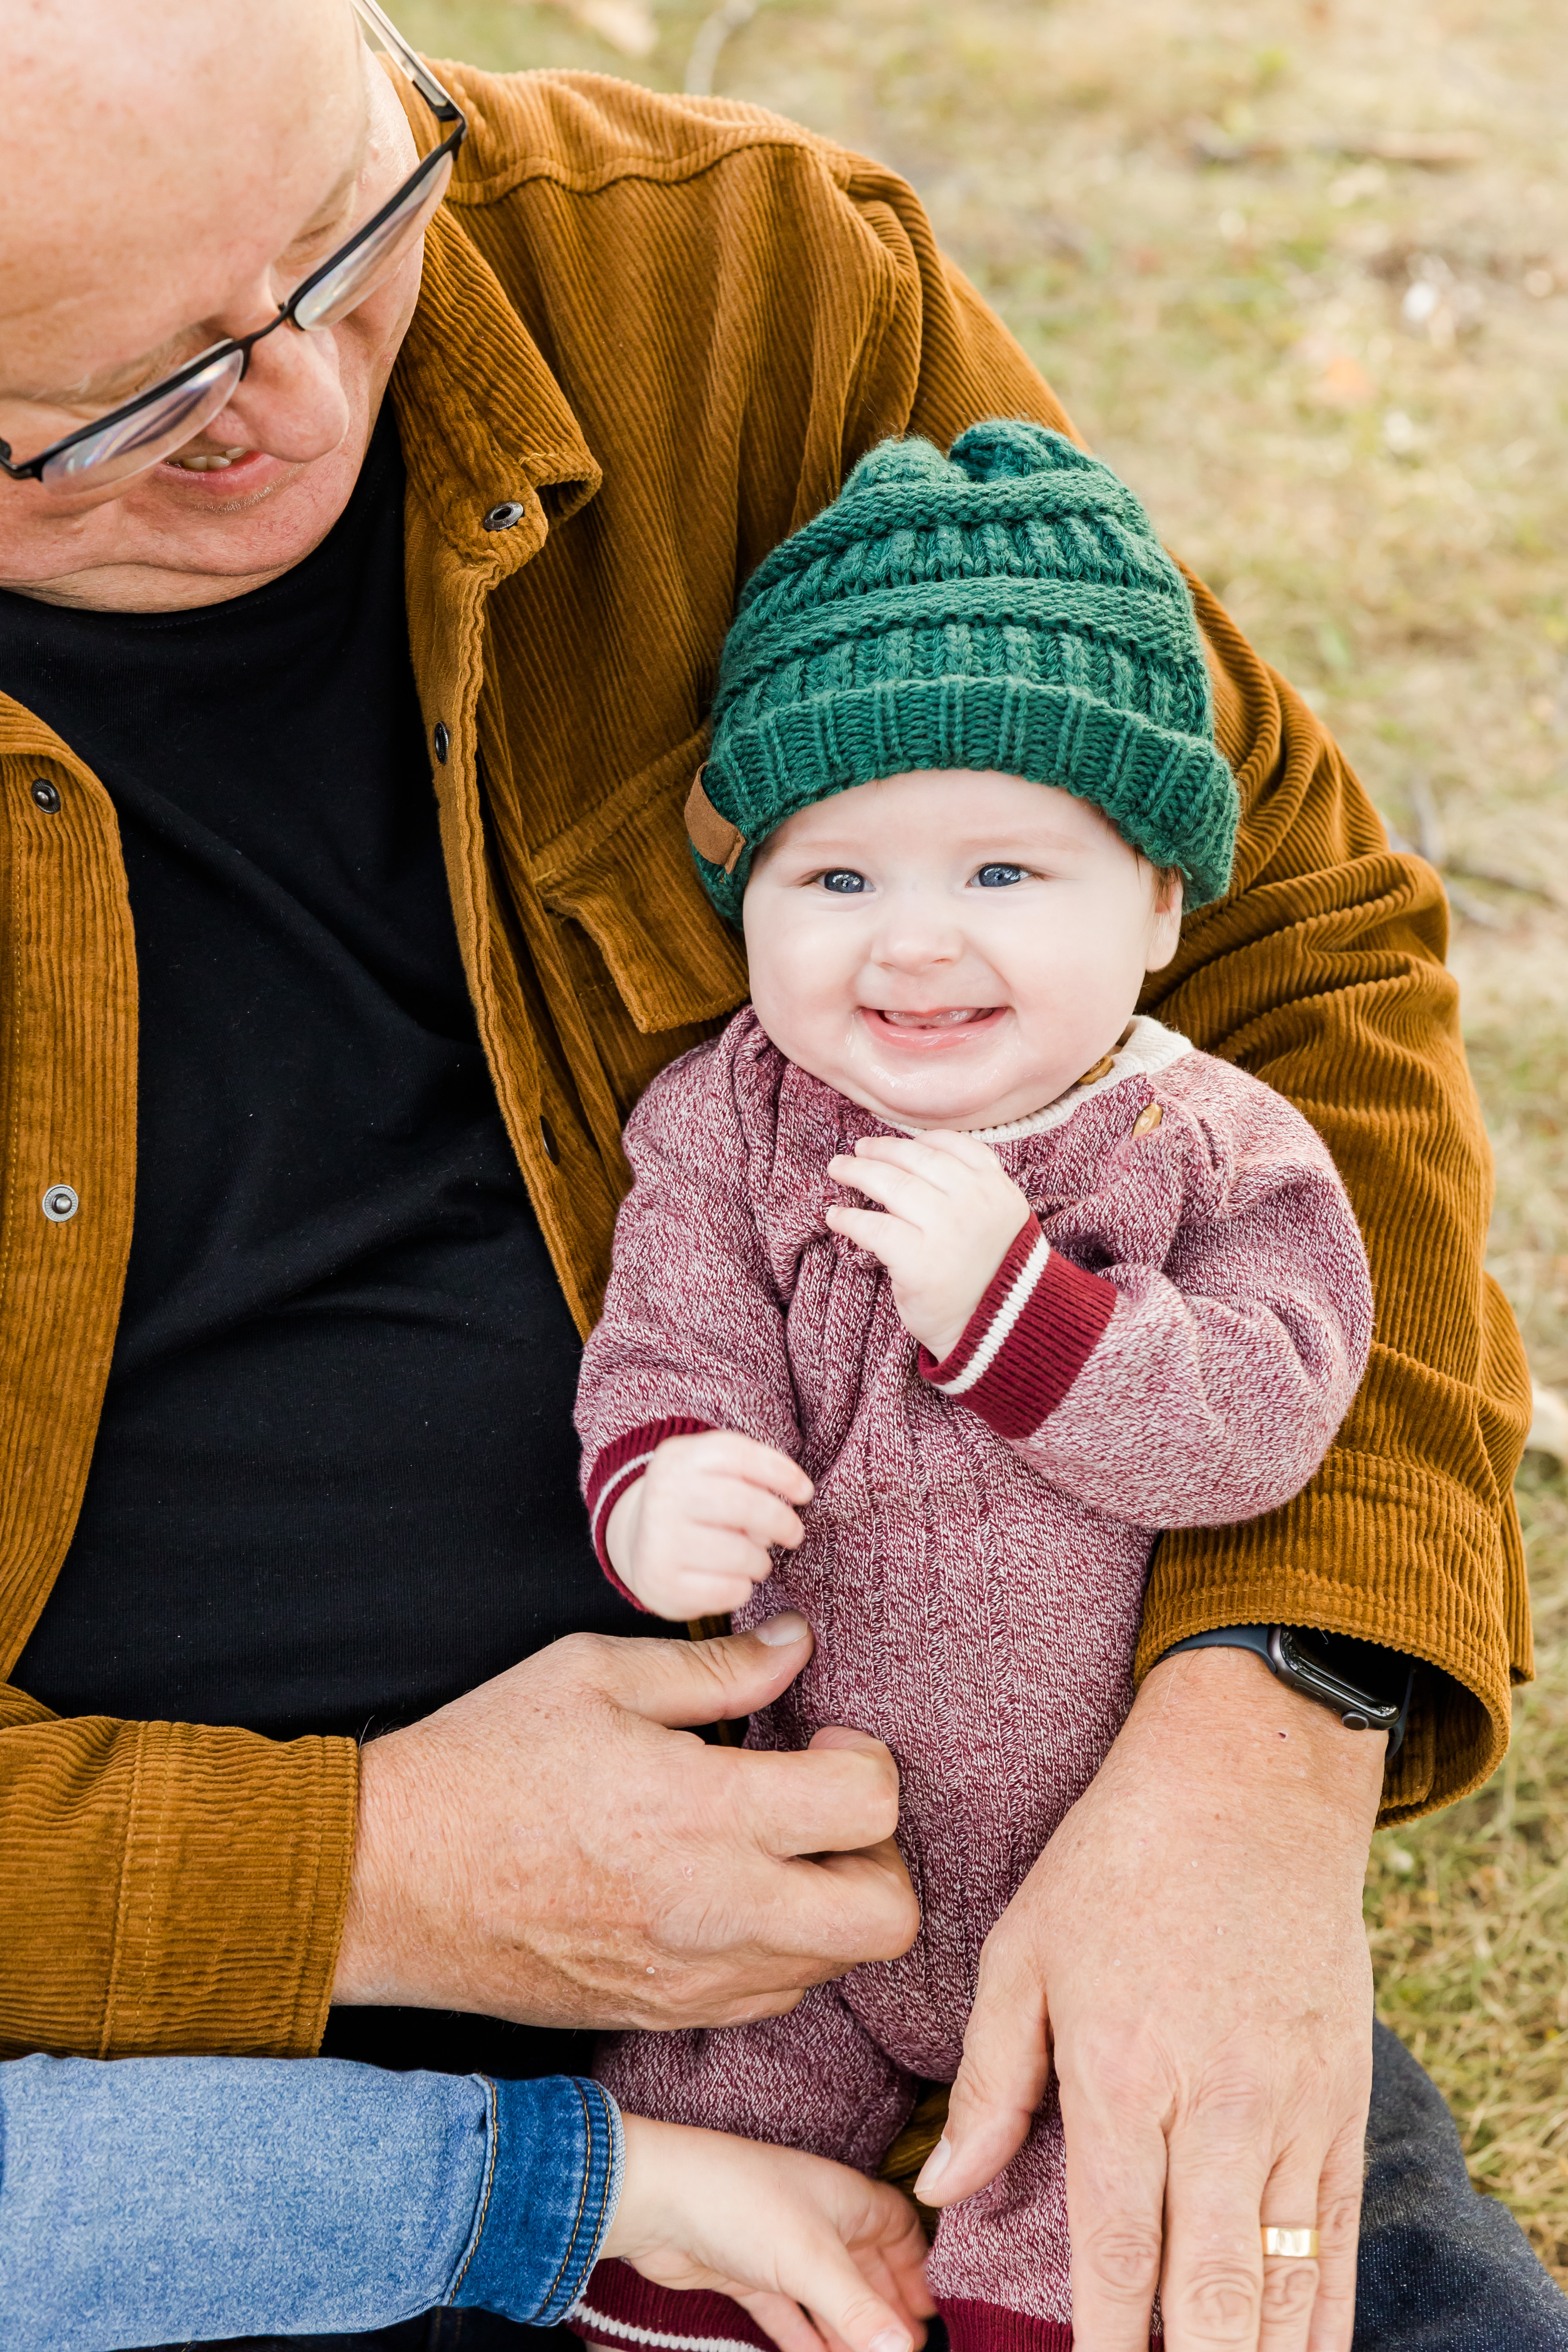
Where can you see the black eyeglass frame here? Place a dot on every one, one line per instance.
(445, 109)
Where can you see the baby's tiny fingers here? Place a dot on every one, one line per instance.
(889, 1182)
(886, 1237)
(735, 1508)
(727, 1451)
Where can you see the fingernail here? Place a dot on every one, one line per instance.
(778, 1632)
(890, 2339)
(935, 2165)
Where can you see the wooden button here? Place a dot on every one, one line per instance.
(1099, 1070)
(1148, 1120)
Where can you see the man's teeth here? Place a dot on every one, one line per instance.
(207, 461)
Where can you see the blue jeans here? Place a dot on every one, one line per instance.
(1441, 2269)
(200, 2198)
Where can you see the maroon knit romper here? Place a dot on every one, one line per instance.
(1171, 1340)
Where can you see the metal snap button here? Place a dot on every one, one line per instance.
(47, 796)
(547, 1137)
(61, 1204)
(442, 742)
(503, 517)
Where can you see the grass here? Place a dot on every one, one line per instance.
(1338, 379)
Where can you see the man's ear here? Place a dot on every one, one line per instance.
(1165, 925)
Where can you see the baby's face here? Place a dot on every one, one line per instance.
(951, 950)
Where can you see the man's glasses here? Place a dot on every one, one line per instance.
(141, 432)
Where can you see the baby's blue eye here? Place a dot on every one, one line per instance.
(997, 877)
(845, 881)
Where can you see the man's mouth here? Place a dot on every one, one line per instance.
(206, 461)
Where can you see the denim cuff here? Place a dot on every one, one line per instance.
(551, 2185)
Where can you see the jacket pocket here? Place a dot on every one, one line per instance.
(625, 873)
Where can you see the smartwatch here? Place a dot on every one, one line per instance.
(1368, 1687)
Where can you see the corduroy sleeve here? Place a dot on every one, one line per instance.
(1322, 972)
(197, 1881)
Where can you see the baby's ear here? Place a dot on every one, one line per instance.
(1165, 921)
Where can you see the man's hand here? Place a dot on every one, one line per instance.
(949, 1214)
(690, 1538)
(549, 1849)
(1191, 1944)
(776, 2229)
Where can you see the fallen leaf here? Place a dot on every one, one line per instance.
(1343, 383)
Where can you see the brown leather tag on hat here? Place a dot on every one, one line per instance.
(712, 835)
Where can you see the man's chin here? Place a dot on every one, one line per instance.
(181, 539)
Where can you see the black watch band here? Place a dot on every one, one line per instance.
(1367, 1686)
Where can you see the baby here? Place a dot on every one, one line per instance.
(962, 782)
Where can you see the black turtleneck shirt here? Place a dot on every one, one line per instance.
(335, 1481)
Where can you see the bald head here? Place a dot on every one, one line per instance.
(175, 169)
(136, 128)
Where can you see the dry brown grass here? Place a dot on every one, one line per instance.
(1338, 378)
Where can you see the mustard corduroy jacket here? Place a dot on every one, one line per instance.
(662, 329)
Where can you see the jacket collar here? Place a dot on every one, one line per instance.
(483, 422)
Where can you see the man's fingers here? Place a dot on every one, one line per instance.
(1116, 2185)
(999, 2086)
(839, 1796)
(854, 1906)
(1338, 2235)
(1211, 2287)
(678, 1682)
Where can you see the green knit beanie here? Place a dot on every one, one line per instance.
(1005, 607)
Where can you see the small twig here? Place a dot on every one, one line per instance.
(711, 35)
(1429, 834)
(1434, 151)
(1476, 872)
(1432, 846)
(1474, 910)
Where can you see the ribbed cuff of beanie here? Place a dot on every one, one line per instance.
(619, 1467)
(1034, 1331)
(557, 2156)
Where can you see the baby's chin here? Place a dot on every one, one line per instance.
(950, 1104)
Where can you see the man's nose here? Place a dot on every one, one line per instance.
(292, 403)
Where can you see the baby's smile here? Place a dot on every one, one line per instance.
(945, 1024)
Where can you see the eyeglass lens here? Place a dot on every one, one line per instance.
(346, 286)
(135, 443)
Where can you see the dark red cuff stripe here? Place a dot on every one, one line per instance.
(1022, 1247)
(1056, 1331)
(621, 1463)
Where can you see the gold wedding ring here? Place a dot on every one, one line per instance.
(1295, 2245)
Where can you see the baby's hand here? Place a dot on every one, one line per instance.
(774, 2230)
(691, 1538)
(950, 1214)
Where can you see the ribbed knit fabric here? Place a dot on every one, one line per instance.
(617, 278)
(1008, 606)
(1034, 1331)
